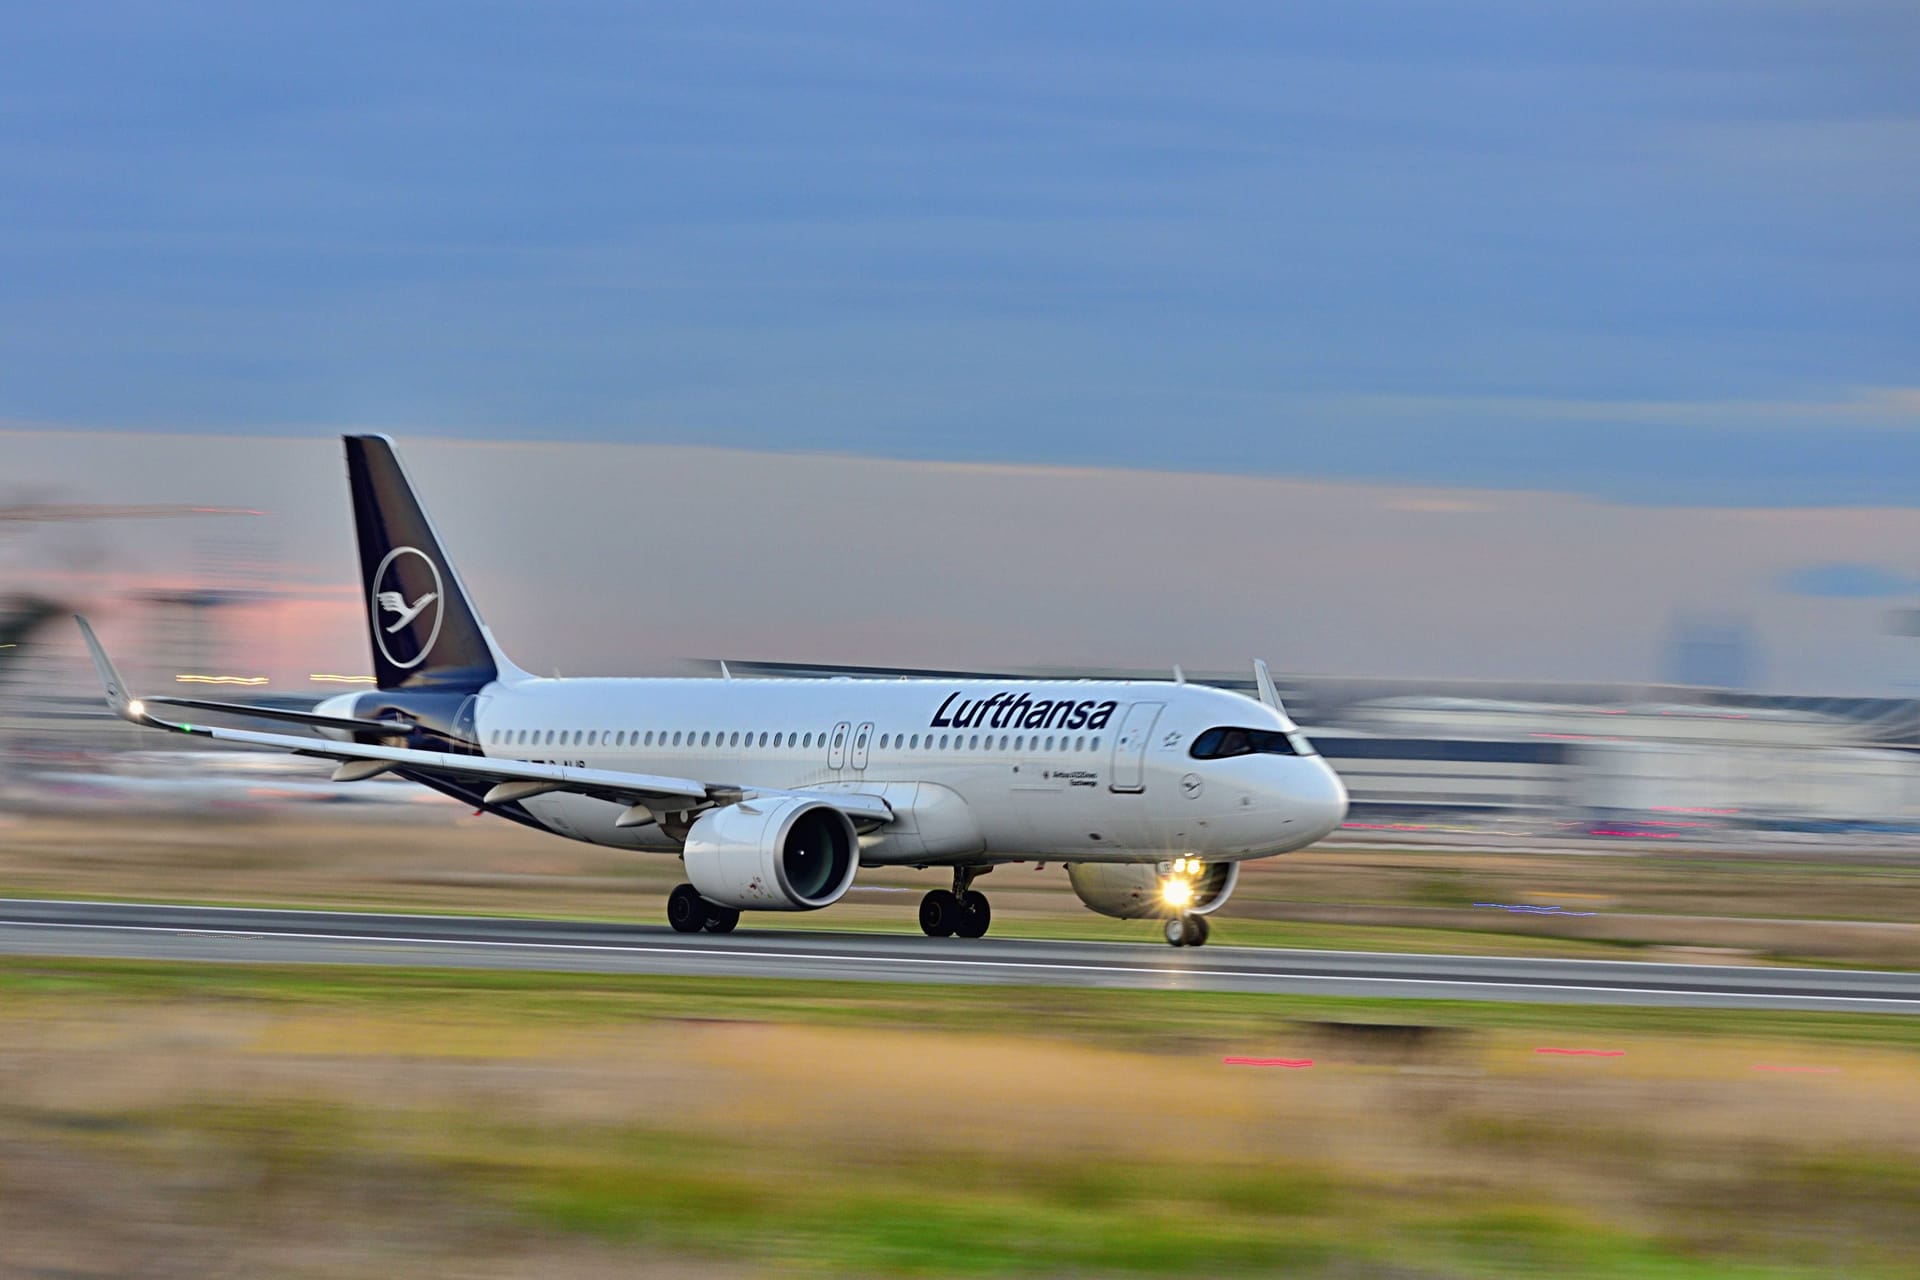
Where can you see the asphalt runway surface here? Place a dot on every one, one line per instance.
(256, 936)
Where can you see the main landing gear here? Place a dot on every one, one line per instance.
(962, 910)
(688, 912)
(1187, 931)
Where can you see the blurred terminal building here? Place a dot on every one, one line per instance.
(1654, 761)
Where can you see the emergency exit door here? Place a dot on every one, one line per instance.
(1130, 746)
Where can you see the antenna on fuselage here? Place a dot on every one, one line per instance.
(1179, 676)
(725, 674)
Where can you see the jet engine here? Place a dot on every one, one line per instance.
(1133, 890)
(785, 854)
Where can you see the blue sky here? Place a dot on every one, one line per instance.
(1654, 252)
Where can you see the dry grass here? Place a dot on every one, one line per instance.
(370, 1123)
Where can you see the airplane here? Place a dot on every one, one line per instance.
(774, 792)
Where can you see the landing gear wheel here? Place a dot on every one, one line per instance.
(687, 911)
(1187, 931)
(1197, 931)
(976, 913)
(721, 919)
(939, 914)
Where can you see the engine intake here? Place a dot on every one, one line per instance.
(1132, 890)
(785, 854)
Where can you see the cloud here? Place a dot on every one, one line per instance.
(1862, 406)
(1849, 580)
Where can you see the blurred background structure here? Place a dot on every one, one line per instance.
(214, 562)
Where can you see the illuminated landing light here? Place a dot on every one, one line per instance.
(1177, 893)
(328, 677)
(137, 708)
(188, 678)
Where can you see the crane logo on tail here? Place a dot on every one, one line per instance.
(406, 574)
(394, 602)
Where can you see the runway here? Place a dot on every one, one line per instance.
(241, 935)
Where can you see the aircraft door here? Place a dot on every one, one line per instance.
(861, 739)
(1130, 746)
(837, 746)
(466, 732)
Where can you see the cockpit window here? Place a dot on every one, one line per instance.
(1219, 744)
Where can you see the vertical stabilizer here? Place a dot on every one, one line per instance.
(423, 629)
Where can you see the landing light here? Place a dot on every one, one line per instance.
(1177, 892)
(137, 708)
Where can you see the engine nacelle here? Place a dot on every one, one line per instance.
(784, 854)
(1134, 890)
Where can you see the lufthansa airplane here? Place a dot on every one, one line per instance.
(773, 793)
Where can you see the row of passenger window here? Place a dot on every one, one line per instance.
(984, 742)
(804, 741)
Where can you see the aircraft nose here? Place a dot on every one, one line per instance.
(1321, 799)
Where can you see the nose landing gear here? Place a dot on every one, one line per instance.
(1187, 930)
(961, 911)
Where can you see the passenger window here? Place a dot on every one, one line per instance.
(1094, 745)
(1003, 742)
(591, 737)
(883, 742)
(735, 742)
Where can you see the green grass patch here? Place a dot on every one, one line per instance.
(1145, 1019)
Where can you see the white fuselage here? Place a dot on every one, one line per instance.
(974, 771)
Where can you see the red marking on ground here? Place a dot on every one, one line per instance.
(1587, 1053)
(1295, 1063)
(1812, 1071)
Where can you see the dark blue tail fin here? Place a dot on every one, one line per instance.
(425, 633)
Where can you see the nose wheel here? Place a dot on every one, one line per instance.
(957, 912)
(1187, 931)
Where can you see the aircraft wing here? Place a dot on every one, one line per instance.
(656, 790)
(281, 713)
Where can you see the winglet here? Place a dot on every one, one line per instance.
(127, 708)
(1263, 680)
